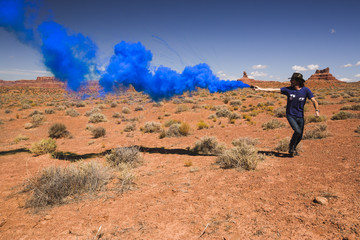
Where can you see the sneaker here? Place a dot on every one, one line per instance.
(296, 153)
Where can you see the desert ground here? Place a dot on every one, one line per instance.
(175, 192)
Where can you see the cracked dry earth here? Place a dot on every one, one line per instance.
(172, 200)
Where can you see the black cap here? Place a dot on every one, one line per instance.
(298, 76)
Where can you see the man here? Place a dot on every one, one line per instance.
(296, 94)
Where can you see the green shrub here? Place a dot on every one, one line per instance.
(55, 184)
(272, 124)
(208, 145)
(240, 157)
(97, 117)
(320, 131)
(58, 130)
(44, 146)
(127, 155)
(98, 132)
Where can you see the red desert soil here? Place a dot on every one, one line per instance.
(173, 201)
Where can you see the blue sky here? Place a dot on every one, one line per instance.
(267, 39)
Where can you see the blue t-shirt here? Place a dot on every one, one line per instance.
(296, 100)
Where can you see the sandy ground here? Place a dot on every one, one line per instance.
(173, 201)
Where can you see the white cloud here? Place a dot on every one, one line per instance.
(297, 68)
(309, 67)
(347, 65)
(24, 72)
(257, 74)
(259, 66)
(223, 75)
(332, 31)
(346, 80)
(358, 63)
(313, 67)
(357, 75)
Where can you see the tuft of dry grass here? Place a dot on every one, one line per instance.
(319, 132)
(44, 146)
(209, 145)
(272, 124)
(97, 117)
(55, 185)
(58, 130)
(124, 155)
(152, 127)
(240, 157)
(98, 132)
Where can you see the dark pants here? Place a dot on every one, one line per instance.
(297, 124)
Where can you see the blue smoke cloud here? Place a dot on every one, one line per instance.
(130, 65)
(71, 58)
(15, 17)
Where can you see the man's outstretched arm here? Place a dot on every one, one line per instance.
(256, 88)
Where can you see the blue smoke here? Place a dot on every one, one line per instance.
(130, 65)
(71, 58)
(16, 17)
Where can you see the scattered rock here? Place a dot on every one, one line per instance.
(321, 200)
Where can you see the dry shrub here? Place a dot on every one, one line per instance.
(58, 130)
(72, 112)
(280, 112)
(113, 105)
(98, 132)
(152, 127)
(21, 137)
(124, 155)
(233, 116)
(181, 108)
(139, 108)
(202, 125)
(319, 132)
(37, 120)
(283, 145)
(222, 112)
(130, 127)
(170, 122)
(35, 112)
(55, 184)
(49, 111)
(312, 118)
(235, 103)
(126, 178)
(240, 157)
(92, 111)
(44, 146)
(97, 117)
(209, 145)
(358, 129)
(184, 129)
(344, 115)
(173, 131)
(272, 124)
(244, 141)
(355, 107)
(126, 110)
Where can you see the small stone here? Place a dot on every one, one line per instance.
(47, 217)
(321, 200)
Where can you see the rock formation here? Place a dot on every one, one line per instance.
(323, 74)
